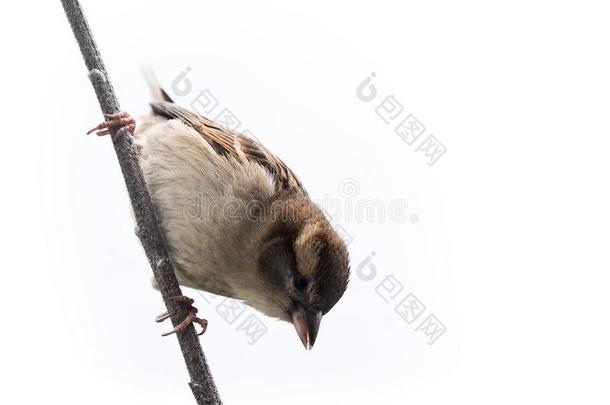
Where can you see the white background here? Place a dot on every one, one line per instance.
(510, 251)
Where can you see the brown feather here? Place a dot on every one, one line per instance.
(230, 143)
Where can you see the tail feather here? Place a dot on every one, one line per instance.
(156, 90)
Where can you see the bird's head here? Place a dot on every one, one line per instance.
(305, 269)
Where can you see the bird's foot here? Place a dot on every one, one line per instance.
(122, 119)
(190, 318)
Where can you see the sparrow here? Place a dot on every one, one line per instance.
(236, 220)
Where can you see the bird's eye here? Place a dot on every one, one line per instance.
(300, 282)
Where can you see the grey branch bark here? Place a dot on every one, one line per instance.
(148, 230)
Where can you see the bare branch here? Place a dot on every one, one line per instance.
(202, 383)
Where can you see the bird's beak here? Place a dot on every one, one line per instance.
(307, 324)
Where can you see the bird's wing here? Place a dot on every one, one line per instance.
(230, 143)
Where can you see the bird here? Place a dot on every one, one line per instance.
(237, 221)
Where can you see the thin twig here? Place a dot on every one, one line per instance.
(202, 383)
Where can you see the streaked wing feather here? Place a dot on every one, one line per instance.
(230, 143)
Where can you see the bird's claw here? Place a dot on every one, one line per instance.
(191, 317)
(122, 119)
